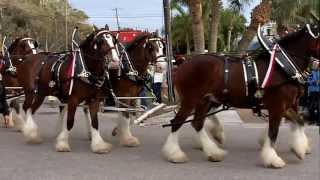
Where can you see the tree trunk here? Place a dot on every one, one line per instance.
(229, 38)
(197, 25)
(188, 45)
(214, 25)
(260, 15)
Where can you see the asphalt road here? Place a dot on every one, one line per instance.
(19, 160)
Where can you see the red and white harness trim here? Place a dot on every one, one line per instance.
(268, 77)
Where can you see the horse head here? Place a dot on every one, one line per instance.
(303, 45)
(154, 48)
(23, 46)
(101, 45)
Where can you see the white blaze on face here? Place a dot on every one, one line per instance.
(114, 54)
(32, 46)
(160, 51)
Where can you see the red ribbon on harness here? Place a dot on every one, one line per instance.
(70, 71)
(269, 74)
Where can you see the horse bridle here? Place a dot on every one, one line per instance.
(305, 74)
(32, 46)
(156, 39)
(11, 67)
(104, 34)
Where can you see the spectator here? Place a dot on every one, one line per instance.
(4, 108)
(314, 93)
(158, 78)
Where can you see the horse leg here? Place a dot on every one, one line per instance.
(62, 144)
(125, 135)
(269, 156)
(16, 115)
(171, 149)
(213, 127)
(299, 141)
(98, 145)
(88, 121)
(62, 113)
(216, 129)
(30, 128)
(209, 147)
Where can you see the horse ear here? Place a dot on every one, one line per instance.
(106, 27)
(94, 28)
(36, 45)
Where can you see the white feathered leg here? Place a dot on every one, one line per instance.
(98, 145)
(172, 151)
(30, 129)
(299, 141)
(125, 135)
(269, 156)
(17, 118)
(210, 148)
(62, 144)
(88, 122)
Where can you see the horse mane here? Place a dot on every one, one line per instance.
(292, 36)
(87, 41)
(137, 40)
(14, 44)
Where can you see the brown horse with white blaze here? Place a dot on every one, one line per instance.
(39, 79)
(144, 50)
(201, 85)
(14, 56)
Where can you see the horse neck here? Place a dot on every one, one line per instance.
(139, 60)
(298, 51)
(16, 54)
(93, 62)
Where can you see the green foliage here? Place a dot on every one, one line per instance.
(181, 25)
(43, 20)
(286, 12)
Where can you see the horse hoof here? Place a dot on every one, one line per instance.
(217, 157)
(271, 159)
(33, 138)
(176, 156)
(130, 142)
(101, 148)
(36, 140)
(277, 164)
(301, 154)
(63, 147)
(181, 158)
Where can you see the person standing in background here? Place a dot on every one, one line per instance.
(158, 78)
(314, 93)
(4, 108)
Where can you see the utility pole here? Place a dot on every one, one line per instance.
(117, 17)
(1, 21)
(167, 25)
(66, 24)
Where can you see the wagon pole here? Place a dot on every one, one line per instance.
(168, 37)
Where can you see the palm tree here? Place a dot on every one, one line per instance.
(216, 6)
(286, 12)
(195, 7)
(260, 15)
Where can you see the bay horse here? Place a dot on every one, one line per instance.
(200, 84)
(144, 50)
(16, 52)
(48, 74)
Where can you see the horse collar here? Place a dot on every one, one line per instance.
(311, 33)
